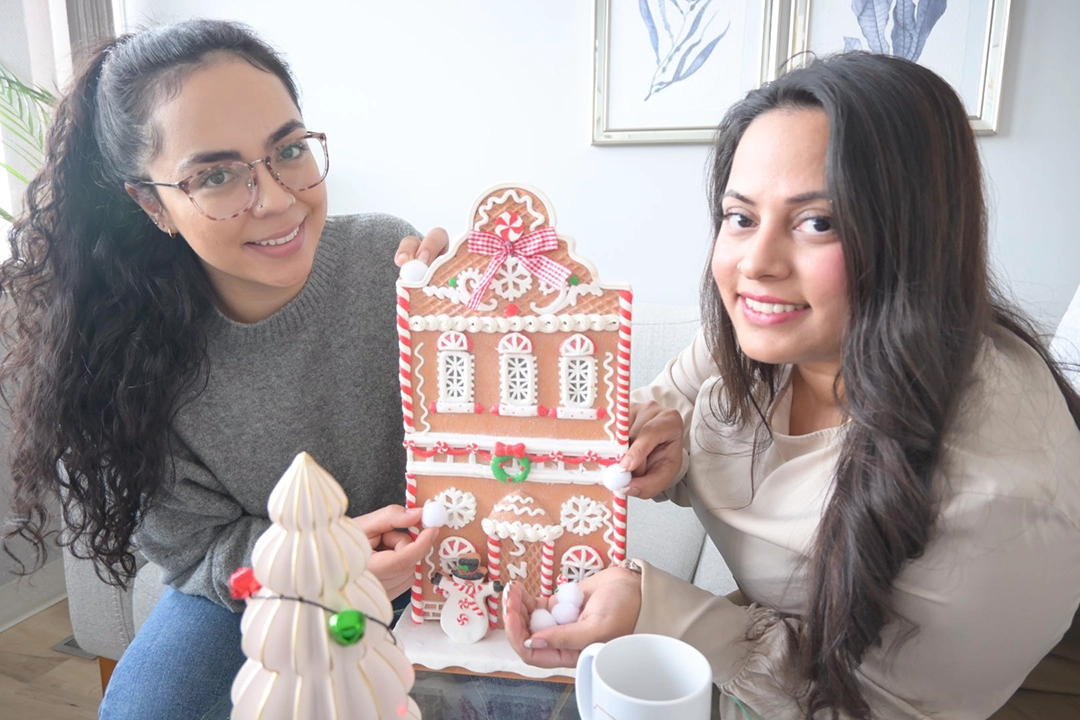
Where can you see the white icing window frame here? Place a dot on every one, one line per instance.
(588, 562)
(517, 372)
(456, 346)
(577, 352)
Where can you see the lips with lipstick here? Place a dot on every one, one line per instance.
(278, 241)
(771, 308)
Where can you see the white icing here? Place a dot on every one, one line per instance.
(517, 505)
(568, 295)
(577, 382)
(517, 376)
(455, 380)
(582, 515)
(578, 322)
(581, 561)
(519, 410)
(519, 548)
(512, 280)
(484, 217)
(609, 426)
(517, 571)
(419, 389)
(460, 506)
(467, 280)
(565, 413)
(536, 445)
(451, 549)
(520, 531)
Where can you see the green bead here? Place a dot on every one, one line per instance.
(347, 627)
(574, 279)
(452, 282)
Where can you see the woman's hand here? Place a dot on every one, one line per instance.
(432, 246)
(612, 605)
(656, 446)
(395, 552)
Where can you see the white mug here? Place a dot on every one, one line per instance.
(643, 677)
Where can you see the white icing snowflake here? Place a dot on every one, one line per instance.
(512, 281)
(582, 515)
(460, 506)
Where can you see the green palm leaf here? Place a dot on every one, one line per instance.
(24, 117)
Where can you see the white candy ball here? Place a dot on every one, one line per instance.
(565, 613)
(571, 594)
(413, 271)
(434, 514)
(615, 478)
(540, 620)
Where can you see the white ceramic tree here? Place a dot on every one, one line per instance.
(295, 668)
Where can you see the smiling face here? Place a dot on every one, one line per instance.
(231, 110)
(777, 262)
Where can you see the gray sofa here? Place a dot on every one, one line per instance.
(105, 618)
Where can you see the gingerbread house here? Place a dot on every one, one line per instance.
(515, 375)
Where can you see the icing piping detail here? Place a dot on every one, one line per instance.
(568, 295)
(460, 506)
(609, 426)
(420, 387)
(579, 322)
(493, 201)
(521, 531)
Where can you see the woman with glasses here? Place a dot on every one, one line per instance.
(184, 319)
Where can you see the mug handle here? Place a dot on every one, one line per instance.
(583, 689)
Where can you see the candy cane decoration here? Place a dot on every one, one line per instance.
(618, 504)
(509, 226)
(494, 573)
(418, 577)
(622, 378)
(546, 562)
(404, 357)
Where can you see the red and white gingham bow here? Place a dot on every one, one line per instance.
(528, 249)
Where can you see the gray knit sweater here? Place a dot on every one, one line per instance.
(320, 375)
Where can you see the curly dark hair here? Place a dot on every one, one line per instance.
(905, 181)
(105, 314)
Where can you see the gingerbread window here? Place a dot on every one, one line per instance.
(517, 366)
(455, 374)
(577, 379)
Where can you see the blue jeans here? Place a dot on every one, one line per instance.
(181, 662)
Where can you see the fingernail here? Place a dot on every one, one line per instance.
(535, 644)
(424, 256)
(401, 257)
(633, 491)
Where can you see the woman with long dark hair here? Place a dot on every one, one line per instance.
(183, 319)
(877, 442)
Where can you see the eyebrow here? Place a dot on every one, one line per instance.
(793, 200)
(216, 156)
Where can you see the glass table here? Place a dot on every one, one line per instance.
(454, 696)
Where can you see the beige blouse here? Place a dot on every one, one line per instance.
(996, 589)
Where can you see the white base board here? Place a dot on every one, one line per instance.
(428, 645)
(26, 596)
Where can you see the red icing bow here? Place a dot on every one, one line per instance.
(528, 249)
(516, 451)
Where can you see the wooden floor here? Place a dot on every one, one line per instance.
(38, 683)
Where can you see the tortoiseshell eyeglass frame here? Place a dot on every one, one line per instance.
(185, 184)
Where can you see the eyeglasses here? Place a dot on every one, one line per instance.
(224, 191)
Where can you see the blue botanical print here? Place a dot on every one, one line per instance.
(911, 25)
(683, 34)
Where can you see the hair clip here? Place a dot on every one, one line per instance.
(346, 626)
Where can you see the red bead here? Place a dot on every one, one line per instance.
(431, 406)
(242, 584)
(601, 413)
(511, 310)
(542, 411)
(479, 409)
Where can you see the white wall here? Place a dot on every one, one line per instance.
(428, 102)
